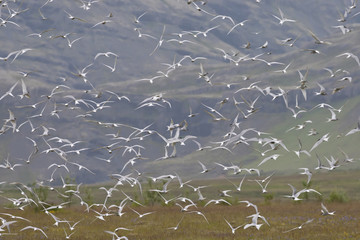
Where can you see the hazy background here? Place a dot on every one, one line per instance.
(52, 59)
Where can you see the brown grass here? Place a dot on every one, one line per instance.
(282, 216)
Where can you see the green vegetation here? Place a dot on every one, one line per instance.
(339, 197)
(282, 214)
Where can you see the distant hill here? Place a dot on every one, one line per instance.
(84, 110)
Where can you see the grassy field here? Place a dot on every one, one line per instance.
(338, 188)
(282, 216)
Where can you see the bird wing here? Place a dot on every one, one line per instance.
(202, 165)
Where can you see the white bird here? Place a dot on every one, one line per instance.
(141, 215)
(101, 22)
(106, 54)
(181, 42)
(250, 87)
(70, 43)
(343, 29)
(67, 236)
(285, 69)
(112, 68)
(122, 228)
(295, 195)
(117, 237)
(108, 191)
(224, 193)
(306, 172)
(164, 189)
(201, 214)
(196, 189)
(344, 16)
(348, 55)
(282, 19)
(191, 114)
(186, 208)
(303, 82)
(181, 183)
(333, 116)
(251, 104)
(332, 73)
(299, 127)
(101, 216)
(317, 40)
(324, 138)
(9, 92)
(217, 201)
(270, 63)
(300, 227)
(301, 150)
(59, 166)
(160, 42)
(236, 25)
(204, 33)
(200, 148)
(3, 22)
(347, 158)
(14, 217)
(191, 59)
(41, 33)
(353, 4)
(82, 73)
(233, 229)
(177, 225)
(253, 223)
(322, 90)
(73, 17)
(120, 207)
(202, 73)
(263, 188)
(295, 114)
(34, 229)
(80, 167)
(140, 34)
(5, 224)
(326, 212)
(320, 165)
(8, 56)
(345, 79)
(203, 2)
(265, 45)
(21, 52)
(217, 119)
(25, 91)
(249, 204)
(273, 157)
(151, 80)
(118, 96)
(223, 17)
(7, 165)
(333, 163)
(149, 104)
(238, 187)
(275, 143)
(167, 201)
(137, 19)
(355, 130)
(12, 120)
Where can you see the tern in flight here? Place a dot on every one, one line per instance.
(283, 19)
(300, 227)
(233, 229)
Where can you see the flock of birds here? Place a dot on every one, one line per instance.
(29, 116)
